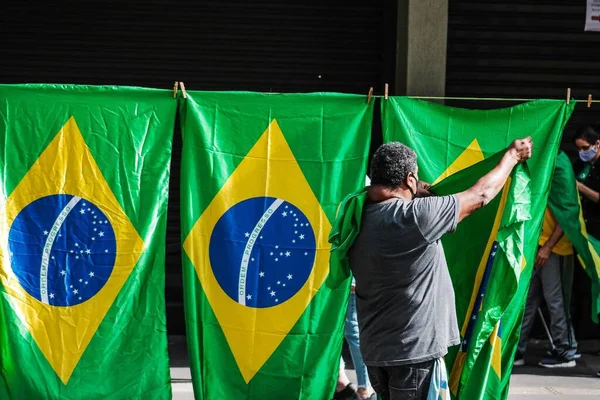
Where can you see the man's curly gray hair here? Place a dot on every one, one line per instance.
(392, 163)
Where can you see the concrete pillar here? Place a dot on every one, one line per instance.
(422, 36)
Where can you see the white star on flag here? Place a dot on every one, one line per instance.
(284, 214)
(91, 274)
(247, 234)
(301, 237)
(249, 297)
(63, 272)
(101, 234)
(261, 274)
(51, 295)
(82, 211)
(45, 233)
(272, 293)
(289, 276)
(287, 254)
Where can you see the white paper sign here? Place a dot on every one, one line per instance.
(592, 16)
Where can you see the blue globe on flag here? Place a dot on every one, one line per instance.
(262, 251)
(62, 249)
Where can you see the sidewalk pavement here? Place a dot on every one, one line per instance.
(527, 382)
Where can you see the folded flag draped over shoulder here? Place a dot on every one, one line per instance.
(262, 176)
(82, 230)
(565, 205)
(344, 232)
(491, 255)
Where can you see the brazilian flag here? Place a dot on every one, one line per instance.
(262, 176)
(84, 186)
(491, 256)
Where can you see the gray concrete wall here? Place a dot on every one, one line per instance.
(421, 47)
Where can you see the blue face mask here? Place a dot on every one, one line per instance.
(588, 155)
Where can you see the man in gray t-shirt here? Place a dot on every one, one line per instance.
(404, 294)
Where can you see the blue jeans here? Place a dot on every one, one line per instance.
(351, 335)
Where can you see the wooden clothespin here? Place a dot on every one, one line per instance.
(370, 95)
(182, 86)
(385, 93)
(568, 95)
(589, 100)
(175, 86)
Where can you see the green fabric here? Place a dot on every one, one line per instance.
(503, 266)
(452, 138)
(128, 132)
(564, 204)
(329, 137)
(346, 228)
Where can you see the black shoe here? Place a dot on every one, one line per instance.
(552, 353)
(347, 393)
(557, 362)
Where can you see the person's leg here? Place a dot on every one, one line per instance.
(551, 277)
(534, 297)
(568, 266)
(344, 389)
(352, 337)
(380, 380)
(410, 381)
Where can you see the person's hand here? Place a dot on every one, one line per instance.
(580, 186)
(521, 149)
(543, 255)
(423, 189)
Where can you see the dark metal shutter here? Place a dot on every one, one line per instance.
(523, 49)
(527, 49)
(279, 46)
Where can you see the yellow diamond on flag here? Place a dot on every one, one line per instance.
(260, 250)
(67, 249)
(470, 156)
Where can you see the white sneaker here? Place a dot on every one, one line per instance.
(519, 362)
